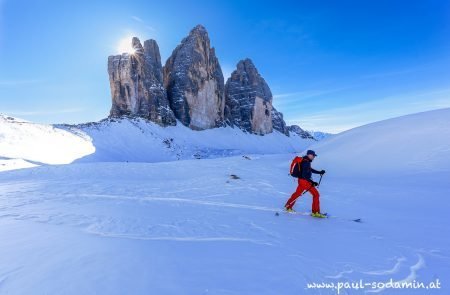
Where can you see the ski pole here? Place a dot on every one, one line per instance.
(320, 180)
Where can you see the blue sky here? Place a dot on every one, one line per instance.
(331, 65)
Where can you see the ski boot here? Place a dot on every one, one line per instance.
(289, 210)
(319, 215)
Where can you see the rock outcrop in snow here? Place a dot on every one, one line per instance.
(248, 101)
(194, 82)
(190, 88)
(137, 84)
(319, 135)
(300, 132)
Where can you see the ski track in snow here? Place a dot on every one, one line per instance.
(182, 239)
(239, 214)
(412, 275)
(181, 200)
(190, 227)
(106, 227)
(393, 270)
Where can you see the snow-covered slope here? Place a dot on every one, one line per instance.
(23, 144)
(136, 140)
(209, 226)
(407, 145)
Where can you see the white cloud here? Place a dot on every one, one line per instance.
(136, 18)
(310, 93)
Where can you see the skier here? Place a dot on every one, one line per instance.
(301, 169)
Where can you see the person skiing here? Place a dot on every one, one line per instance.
(301, 169)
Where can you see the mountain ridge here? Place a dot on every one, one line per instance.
(193, 89)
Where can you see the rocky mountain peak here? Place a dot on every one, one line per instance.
(136, 84)
(198, 29)
(153, 60)
(190, 88)
(137, 46)
(248, 101)
(194, 82)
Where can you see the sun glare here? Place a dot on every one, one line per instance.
(124, 45)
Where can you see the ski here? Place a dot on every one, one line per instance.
(353, 219)
(359, 220)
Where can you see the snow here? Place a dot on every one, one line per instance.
(404, 145)
(141, 141)
(40, 143)
(188, 227)
(12, 164)
(132, 140)
(319, 135)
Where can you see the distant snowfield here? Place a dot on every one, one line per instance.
(140, 141)
(25, 144)
(191, 227)
(404, 145)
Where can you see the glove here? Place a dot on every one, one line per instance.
(313, 183)
(322, 172)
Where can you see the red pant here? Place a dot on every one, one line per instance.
(302, 186)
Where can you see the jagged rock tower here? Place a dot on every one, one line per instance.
(190, 88)
(194, 82)
(248, 101)
(136, 82)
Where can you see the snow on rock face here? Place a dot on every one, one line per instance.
(319, 135)
(408, 144)
(300, 132)
(248, 101)
(194, 82)
(137, 85)
(40, 143)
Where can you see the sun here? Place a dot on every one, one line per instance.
(124, 45)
